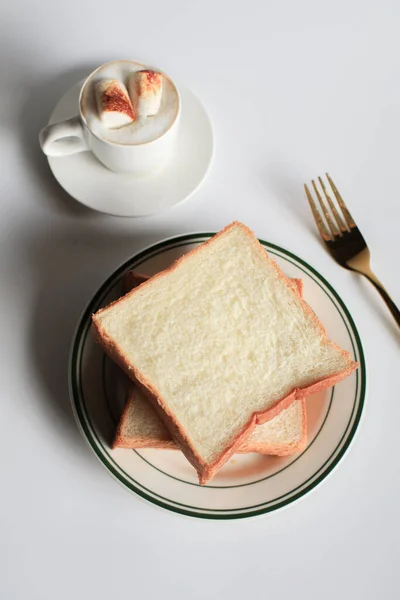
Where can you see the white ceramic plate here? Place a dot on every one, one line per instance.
(124, 195)
(247, 485)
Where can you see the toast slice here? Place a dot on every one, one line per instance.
(140, 427)
(220, 342)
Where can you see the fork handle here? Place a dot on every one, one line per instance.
(381, 289)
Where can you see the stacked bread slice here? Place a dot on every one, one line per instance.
(219, 343)
(141, 427)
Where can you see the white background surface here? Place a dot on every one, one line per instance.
(294, 89)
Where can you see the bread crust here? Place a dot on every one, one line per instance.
(122, 441)
(132, 442)
(206, 470)
(132, 279)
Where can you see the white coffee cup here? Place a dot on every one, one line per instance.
(74, 135)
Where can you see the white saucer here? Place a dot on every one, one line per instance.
(124, 195)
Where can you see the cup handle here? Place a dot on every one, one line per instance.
(62, 139)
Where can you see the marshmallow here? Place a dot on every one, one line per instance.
(145, 89)
(113, 104)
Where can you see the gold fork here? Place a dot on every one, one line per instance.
(343, 238)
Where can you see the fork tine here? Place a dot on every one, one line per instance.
(332, 226)
(335, 213)
(346, 213)
(320, 224)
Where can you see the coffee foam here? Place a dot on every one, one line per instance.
(144, 129)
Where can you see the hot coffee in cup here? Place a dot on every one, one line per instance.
(128, 117)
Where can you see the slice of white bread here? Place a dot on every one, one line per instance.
(220, 342)
(140, 426)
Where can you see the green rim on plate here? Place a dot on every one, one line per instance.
(91, 436)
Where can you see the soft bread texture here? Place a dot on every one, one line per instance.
(140, 427)
(219, 343)
(132, 279)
